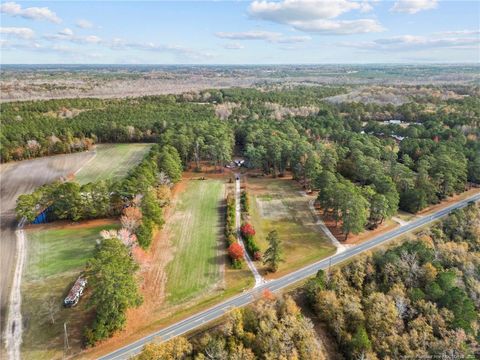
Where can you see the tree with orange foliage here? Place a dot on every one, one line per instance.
(235, 251)
(131, 218)
(268, 295)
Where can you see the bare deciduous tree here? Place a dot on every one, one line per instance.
(51, 307)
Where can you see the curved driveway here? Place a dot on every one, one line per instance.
(217, 311)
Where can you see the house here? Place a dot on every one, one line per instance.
(75, 292)
(398, 137)
(393, 122)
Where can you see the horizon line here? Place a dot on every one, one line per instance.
(241, 64)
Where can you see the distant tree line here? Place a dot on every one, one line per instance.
(38, 128)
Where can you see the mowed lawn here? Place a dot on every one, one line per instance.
(195, 232)
(279, 204)
(55, 258)
(112, 161)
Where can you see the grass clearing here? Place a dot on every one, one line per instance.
(279, 204)
(55, 258)
(112, 161)
(195, 230)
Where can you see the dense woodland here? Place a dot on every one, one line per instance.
(417, 299)
(269, 329)
(338, 149)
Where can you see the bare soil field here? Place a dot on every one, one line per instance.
(17, 178)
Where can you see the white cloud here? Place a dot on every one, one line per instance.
(273, 37)
(64, 53)
(19, 32)
(365, 7)
(84, 24)
(459, 32)
(339, 27)
(33, 13)
(248, 35)
(413, 6)
(233, 46)
(177, 50)
(417, 43)
(316, 15)
(67, 34)
(295, 10)
(92, 39)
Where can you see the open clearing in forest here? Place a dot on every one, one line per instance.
(279, 204)
(112, 161)
(55, 258)
(195, 233)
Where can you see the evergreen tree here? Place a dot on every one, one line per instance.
(274, 254)
(111, 275)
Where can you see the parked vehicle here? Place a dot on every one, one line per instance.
(75, 292)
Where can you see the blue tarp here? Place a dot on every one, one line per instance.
(43, 217)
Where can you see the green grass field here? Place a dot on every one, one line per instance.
(112, 161)
(195, 231)
(55, 258)
(278, 204)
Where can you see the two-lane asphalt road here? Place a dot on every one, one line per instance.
(217, 311)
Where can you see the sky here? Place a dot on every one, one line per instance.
(239, 32)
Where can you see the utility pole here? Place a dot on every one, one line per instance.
(329, 266)
(66, 346)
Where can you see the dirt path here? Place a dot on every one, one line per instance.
(340, 247)
(258, 278)
(14, 329)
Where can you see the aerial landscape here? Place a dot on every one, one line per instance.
(239, 180)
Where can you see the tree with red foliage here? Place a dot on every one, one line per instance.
(268, 295)
(235, 251)
(247, 230)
